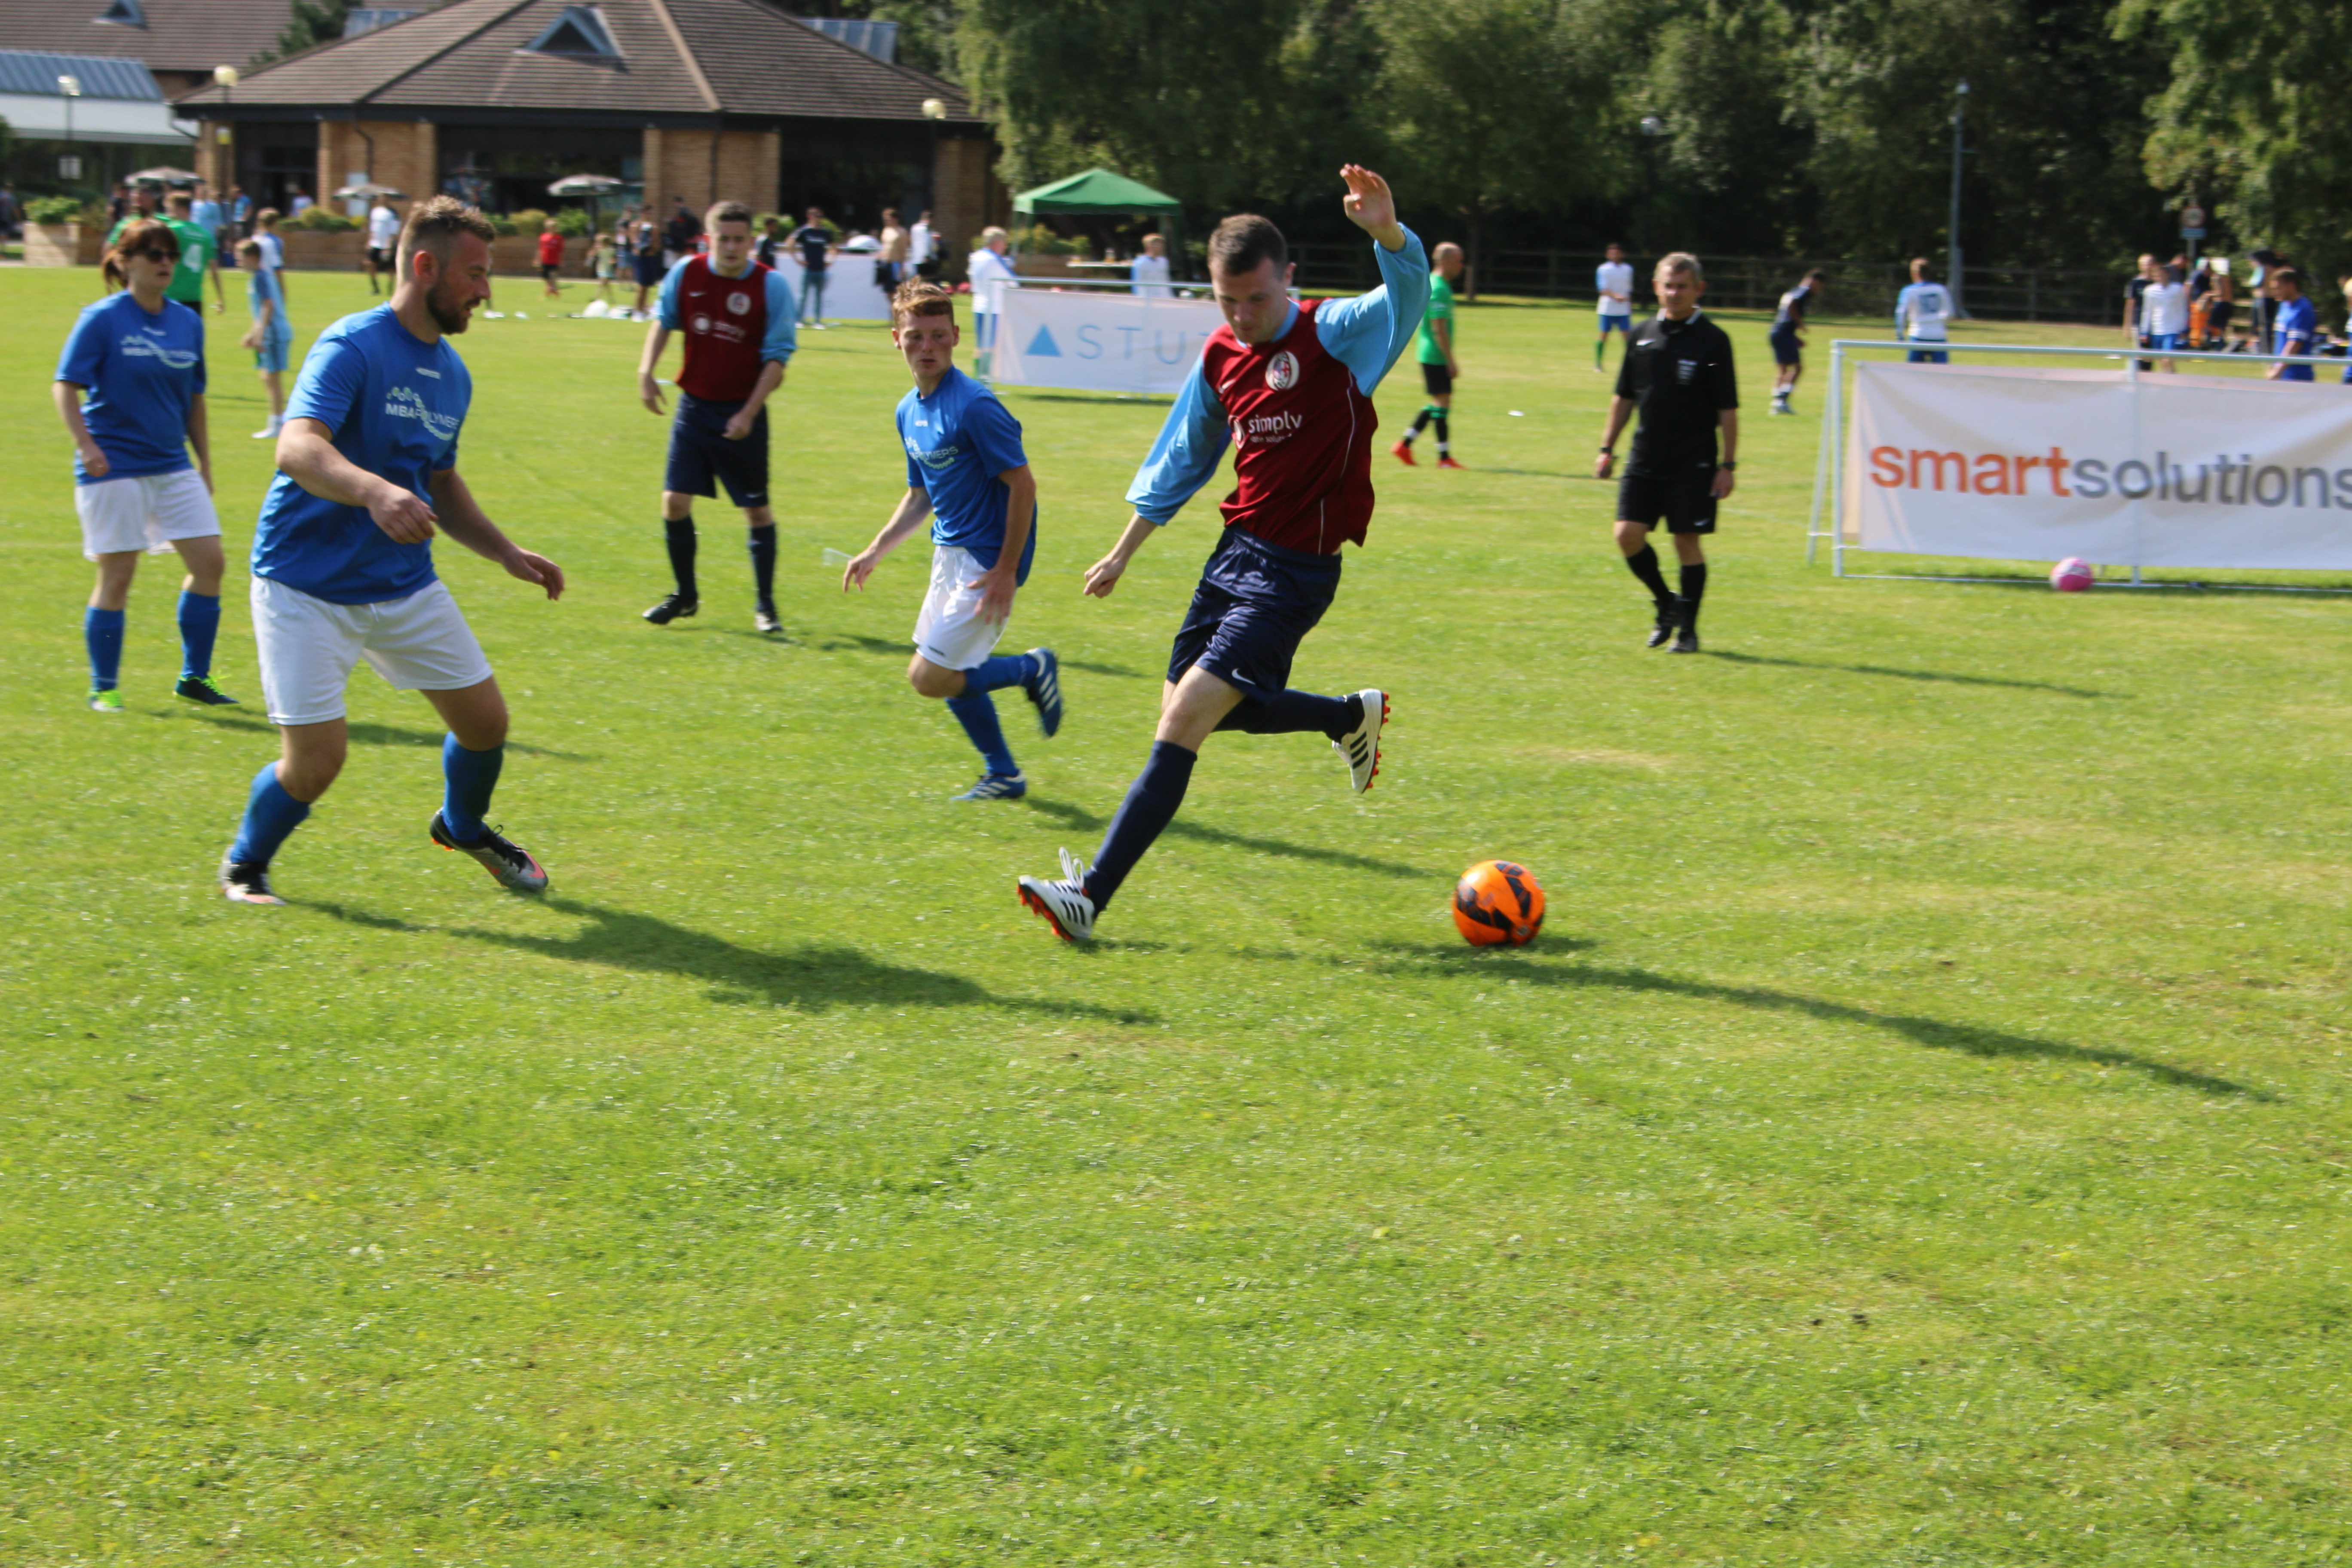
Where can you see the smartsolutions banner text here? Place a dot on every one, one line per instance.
(1095, 340)
(2033, 464)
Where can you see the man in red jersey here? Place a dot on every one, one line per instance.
(738, 320)
(1289, 385)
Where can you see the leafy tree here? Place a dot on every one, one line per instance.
(314, 22)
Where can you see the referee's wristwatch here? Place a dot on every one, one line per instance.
(1728, 468)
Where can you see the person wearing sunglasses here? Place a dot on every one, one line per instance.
(130, 389)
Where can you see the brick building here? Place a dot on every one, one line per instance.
(700, 100)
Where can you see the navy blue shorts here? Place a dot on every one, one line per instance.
(1255, 604)
(649, 269)
(700, 454)
(1786, 350)
(1929, 356)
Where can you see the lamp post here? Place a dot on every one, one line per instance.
(934, 111)
(69, 89)
(1959, 124)
(225, 78)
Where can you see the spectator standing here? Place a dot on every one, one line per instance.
(650, 271)
(1923, 314)
(118, 206)
(240, 211)
(301, 201)
(600, 263)
(890, 268)
(383, 241)
(1150, 270)
(12, 215)
(1614, 282)
(2164, 311)
(2135, 307)
(769, 250)
(813, 240)
(923, 248)
(2220, 303)
(989, 274)
(206, 213)
(679, 238)
(2295, 323)
(2265, 308)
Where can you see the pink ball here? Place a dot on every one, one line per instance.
(2073, 575)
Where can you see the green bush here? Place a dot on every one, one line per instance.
(1042, 241)
(573, 222)
(320, 219)
(53, 209)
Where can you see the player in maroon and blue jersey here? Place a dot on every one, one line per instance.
(1288, 384)
(737, 316)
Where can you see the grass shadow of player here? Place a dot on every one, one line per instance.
(1937, 1033)
(837, 641)
(810, 978)
(362, 732)
(1935, 675)
(1087, 821)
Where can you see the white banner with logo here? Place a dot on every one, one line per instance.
(1093, 340)
(2038, 465)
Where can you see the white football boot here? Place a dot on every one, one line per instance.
(1361, 745)
(1063, 903)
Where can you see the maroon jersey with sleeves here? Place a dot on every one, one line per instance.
(1302, 439)
(724, 320)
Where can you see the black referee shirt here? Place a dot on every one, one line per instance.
(1679, 375)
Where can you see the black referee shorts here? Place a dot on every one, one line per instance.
(1682, 497)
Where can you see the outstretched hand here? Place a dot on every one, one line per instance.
(1370, 206)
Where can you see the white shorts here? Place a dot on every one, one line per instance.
(949, 632)
(146, 512)
(308, 647)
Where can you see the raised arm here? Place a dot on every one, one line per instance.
(1367, 333)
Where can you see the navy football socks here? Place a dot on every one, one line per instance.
(469, 777)
(1150, 806)
(102, 630)
(199, 628)
(681, 554)
(976, 711)
(1293, 713)
(763, 563)
(270, 813)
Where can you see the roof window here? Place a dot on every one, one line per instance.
(577, 34)
(124, 13)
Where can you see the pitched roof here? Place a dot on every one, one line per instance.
(676, 56)
(33, 71)
(170, 34)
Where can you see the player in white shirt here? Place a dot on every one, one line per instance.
(990, 274)
(1922, 312)
(1613, 281)
(382, 239)
(1149, 270)
(2164, 314)
(924, 246)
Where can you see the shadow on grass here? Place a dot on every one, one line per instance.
(809, 978)
(840, 640)
(1087, 821)
(1921, 675)
(1969, 1039)
(362, 734)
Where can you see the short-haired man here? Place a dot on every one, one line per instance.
(2136, 303)
(206, 213)
(1433, 347)
(966, 471)
(1147, 274)
(736, 317)
(989, 274)
(1923, 314)
(2295, 324)
(813, 240)
(1614, 282)
(1289, 384)
(1678, 373)
(382, 239)
(1789, 337)
(891, 262)
(342, 555)
(199, 255)
(923, 248)
(2164, 314)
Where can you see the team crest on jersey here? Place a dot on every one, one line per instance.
(738, 303)
(1282, 371)
(701, 323)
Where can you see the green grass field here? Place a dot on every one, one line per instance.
(1919, 1136)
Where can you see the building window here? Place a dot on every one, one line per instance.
(578, 33)
(124, 13)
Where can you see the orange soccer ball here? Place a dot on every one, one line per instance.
(1498, 901)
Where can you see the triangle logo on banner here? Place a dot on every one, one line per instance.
(1043, 346)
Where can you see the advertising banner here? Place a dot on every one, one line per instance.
(1095, 341)
(2038, 465)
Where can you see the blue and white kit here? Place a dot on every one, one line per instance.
(1922, 312)
(142, 375)
(958, 441)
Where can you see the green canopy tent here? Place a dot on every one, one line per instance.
(1101, 191)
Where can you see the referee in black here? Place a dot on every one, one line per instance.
(1677, 371)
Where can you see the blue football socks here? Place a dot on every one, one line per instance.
(102, 630)
(976, 711)
(270, 813)
(199, 627)
(470, 777)
(1150, 806)
(1293, 713)
(996, 674)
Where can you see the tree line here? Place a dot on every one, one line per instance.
(1816, 127)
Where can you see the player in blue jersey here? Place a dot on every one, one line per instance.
(342, 558)
(130, 389)
(2295, 323)
(1923, 311)
(1789, 337)
(966, 471)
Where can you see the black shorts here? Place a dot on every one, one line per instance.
(380, 257)
(1435, 379)
(701, 458)
(649, 269)
(1255, 604)
(1786, 350)
(1684, 497)
(549, 269)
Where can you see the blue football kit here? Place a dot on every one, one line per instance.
(957, 440)
(2293, 328)
(393, 404)
(142, 372)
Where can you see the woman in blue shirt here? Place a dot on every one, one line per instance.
(130, 389)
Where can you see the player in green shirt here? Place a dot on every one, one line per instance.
(1434, 348)
(199, 255)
